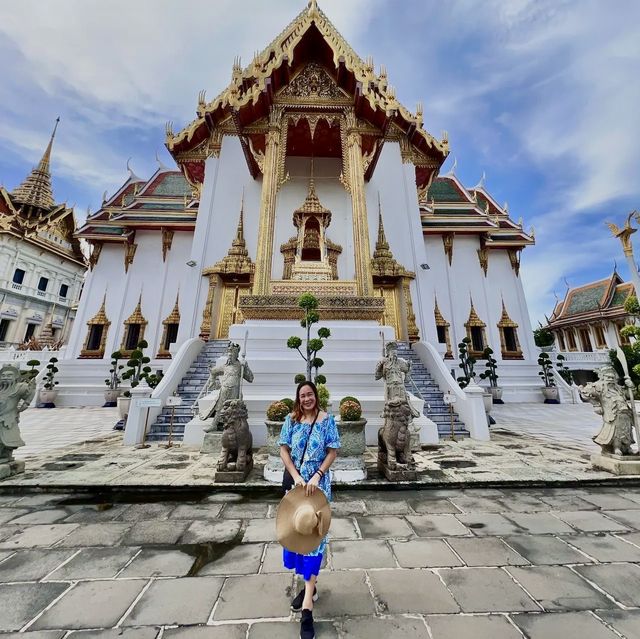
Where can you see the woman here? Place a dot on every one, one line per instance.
(311, 428)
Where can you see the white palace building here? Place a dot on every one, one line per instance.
(304, 174)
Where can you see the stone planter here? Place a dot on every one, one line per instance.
(123, 406)
(487, 398)
(350, 466)
(47, 398)
(111, 397)
(274, 467)
(496, 393)
(551, 395)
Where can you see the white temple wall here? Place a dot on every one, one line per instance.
(218, 214)
(332, 195)
(438, 283)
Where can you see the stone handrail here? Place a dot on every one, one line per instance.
(178, 368)
(469, 404)
(596, 357)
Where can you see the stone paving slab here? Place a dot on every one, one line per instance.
(33, 565)
(35, 536)
(546, 550)
(344, 593)
(208, 632)
(592, 522)
(152, 562)
(607, 548)
(559, 588)
(381, 527)
(42, 634)
(472, 627)
(366, 553)
(117, 633)
(22, 602)
(486, 590)
(368, 628)
(95, 563)
(289, 630)
(625, 621)
(414, 591)
(563, 625)
(621, 581)
(152, 532)
(263, 596)
(176, 602)
(486, 551)
(104, 534)
(241, 560)
(539, 523)
(425, 553)
(437, 526)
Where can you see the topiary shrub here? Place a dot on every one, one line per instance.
(299, 378)
(323, 396)
(289, 402)
(277, 411)
(348, 398)
(350, 411)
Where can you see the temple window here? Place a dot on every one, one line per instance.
(601, 340)
(561, 342)
(170, 333)
(64, 290)
(585, 338)
(18, 276)
(442, 330)
(97, 329)
(43, 283)
(30, 332)
(4, 328)
(134, 327)
(571, 340)
(476, 333)
(477, 338)
(509, 342)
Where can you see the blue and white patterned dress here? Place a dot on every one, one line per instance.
(324, 436)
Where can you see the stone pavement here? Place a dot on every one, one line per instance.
(45, 429)
(509, 458)
(436, 564)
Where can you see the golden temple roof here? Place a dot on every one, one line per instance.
(312, 203)
(36, 189)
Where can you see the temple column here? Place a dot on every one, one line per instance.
(266, 227)
(364, 278)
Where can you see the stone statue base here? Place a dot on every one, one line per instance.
(348, 469)
(11, 468)
(233, 476)
(400, 473)
(617, 464)
(273, 470)
(212, 443)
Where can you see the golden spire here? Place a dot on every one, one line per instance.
(136, 317)
(312, 203)
(101, 316)
(382, 250)
(36, 189)
(174, 316)
(237, 259)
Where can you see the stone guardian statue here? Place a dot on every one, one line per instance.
(610, 401)
(15, 396)
(228, 380)
(395, 371)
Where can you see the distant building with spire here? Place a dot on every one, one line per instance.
(41, 265)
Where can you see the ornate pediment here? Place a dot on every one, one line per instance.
(315, 84)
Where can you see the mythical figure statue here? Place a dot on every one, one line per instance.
(394, 438)
(15, 396)
(395, 371)
(237, 440)
(228, 385)
(610, 401)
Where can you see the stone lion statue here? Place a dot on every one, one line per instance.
(394, 438)
(237, 440)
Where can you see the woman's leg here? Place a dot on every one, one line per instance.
(309, 587)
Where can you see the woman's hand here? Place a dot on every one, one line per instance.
(312, 485)
(298, 480)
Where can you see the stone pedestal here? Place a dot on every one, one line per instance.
(274, 467)
(617, 464)
(11, 468)
(232, 476)
(350, 466)
(401, 473)
(212, 443)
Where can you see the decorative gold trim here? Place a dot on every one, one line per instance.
(442, 322)
(129, 254)
(474, 321)
(205, 326)
(95, 254)
(447, 242)
(286, 307)
(99, 319)
(514, 259)
(507, 323)
(172, 318)
(136, 318)
(167, 241)
(413, 333)
(483, 258)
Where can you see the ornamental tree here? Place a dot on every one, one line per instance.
(467, 364)
(309, 304)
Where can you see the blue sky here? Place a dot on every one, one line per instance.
(542, 95)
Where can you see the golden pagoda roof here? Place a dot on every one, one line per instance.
(136, 317)
(100, 318)
(383, 264)
(36, 189)
(440, 320)
(237, 260)
(312, 203)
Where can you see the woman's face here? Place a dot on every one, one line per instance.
(307, 398)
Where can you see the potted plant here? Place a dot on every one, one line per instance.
(113, 381)
(48, 391)
(309, 303)
(467, 363)
(137, 370)
(544, 339)
(491, 375)
(351, 426)
(549, 389)
(33, 371)
(276, 414)
(564, 372)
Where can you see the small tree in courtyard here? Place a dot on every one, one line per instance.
(309, 304)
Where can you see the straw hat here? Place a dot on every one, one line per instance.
(301, 521)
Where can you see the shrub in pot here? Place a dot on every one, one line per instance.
(113, 381)
(549, 389)
(48, 391)
(491, 374)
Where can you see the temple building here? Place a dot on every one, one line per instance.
(41, 265)
(591, 316)
(305, 174)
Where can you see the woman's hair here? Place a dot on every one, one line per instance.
(297, 411)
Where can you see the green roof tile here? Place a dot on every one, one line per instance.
(443, 190)
(586, 299)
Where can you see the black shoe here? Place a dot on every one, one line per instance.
(306, 625)
(296, 604)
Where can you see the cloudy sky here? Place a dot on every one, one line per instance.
(543, 95)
